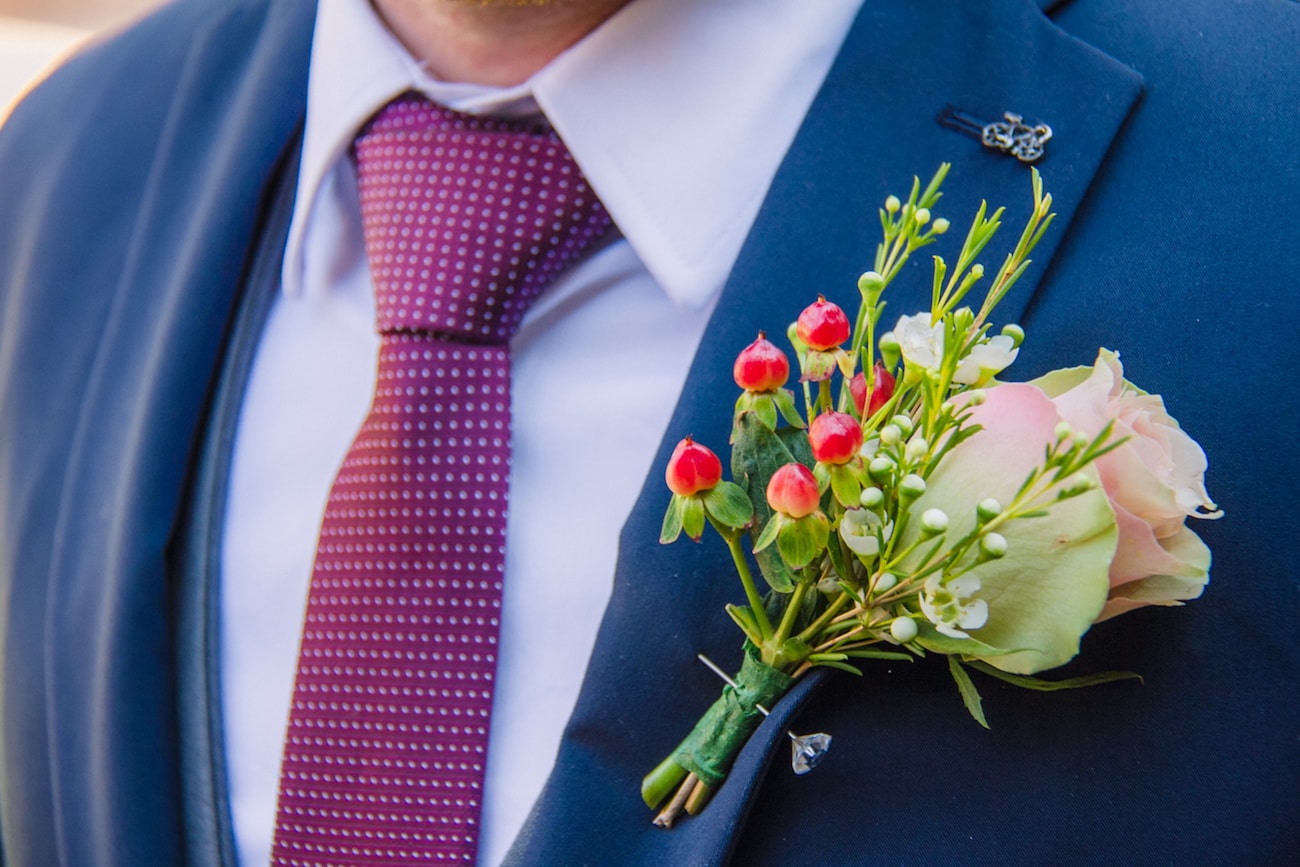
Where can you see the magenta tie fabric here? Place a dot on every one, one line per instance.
(466, 221)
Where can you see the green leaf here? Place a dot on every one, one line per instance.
(756, 454)
(784, 400)
(802, 539)
(822, 476)
(1041, 685)
(765, 409)
(693, 516)
(729, 504)
(796, 445)
(933, 640)
(768, 536)
(835, 548)
(847, 487)
(827, 657)
(672, 521)
(842, 666)
(744, 618)
(892, 655)
(969, 694)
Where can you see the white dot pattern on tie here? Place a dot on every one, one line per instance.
(466, 221)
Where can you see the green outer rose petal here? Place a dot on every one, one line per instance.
(1051, 585)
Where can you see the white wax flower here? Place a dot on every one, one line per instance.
(920, 342)
(861, 530)
(986, 360)
(947, 607)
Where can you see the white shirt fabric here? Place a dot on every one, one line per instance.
(678, 113)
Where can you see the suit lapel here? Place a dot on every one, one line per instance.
(871, 128)
(158, 333)
(209, 836)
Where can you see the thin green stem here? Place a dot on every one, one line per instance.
(826, 617)
(791, 612)
(747, 579)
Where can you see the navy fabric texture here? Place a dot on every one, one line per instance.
(1173, 170)
(132, 184)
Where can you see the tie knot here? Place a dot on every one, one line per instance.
(467, 218)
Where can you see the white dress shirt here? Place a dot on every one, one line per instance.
(678, 112)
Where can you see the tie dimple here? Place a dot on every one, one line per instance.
(466, 221)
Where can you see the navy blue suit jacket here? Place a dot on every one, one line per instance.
(143, 197)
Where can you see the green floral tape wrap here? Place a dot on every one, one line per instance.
(714, 743)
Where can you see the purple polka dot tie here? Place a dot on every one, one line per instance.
(466, 221)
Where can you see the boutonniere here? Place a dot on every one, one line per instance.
(918, 505)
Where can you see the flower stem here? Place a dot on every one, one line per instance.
(826, 616)
(791, 612)
(823, 396)
(747, 580)
(669, 814)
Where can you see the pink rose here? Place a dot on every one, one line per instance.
(1154, 481)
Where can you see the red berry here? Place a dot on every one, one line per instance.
(761, 366)
(882, 389)
(858, 388)
(823, 325)
(692, 468)
(835, 437)
(792, 491)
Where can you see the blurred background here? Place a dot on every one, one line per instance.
(36, 34)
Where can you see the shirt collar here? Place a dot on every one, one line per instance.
(681, 157)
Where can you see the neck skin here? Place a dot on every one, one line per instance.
(493, 42)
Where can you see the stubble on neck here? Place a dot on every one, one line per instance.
(494, 42)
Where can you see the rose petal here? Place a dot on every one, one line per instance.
(1188, 581)
(1140, 553)
(1052, 583)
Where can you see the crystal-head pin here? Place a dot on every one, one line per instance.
(806, 751)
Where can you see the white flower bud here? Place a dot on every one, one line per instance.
(886, 582)
(881, 468)
(988, 509)
(1077, 484)
(890, 435)
(917, 447)
(892, 204)
(903, 629)
(1081, 439)
(993, 545)
(872, 498)
(903, 423)
(1063, 430)
(976, 396)
(911, 487)
(977, 271)
(922, 216)
(871, 283)
(934, 522)
(940, 226)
